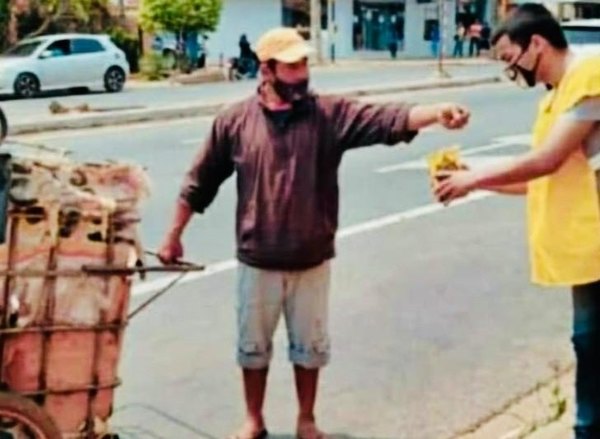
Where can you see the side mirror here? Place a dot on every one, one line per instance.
(46, 54)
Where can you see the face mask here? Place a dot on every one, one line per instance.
(523, 77)
(291, 92)
(527, 76)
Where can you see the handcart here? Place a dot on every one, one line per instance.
(57, 379)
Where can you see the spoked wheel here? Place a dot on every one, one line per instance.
(21, 418)
(26, 85)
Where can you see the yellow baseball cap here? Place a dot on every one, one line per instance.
(283, 44)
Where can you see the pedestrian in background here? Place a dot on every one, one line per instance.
(474, 34)
(459, 41)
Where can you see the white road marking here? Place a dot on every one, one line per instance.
(497, 143)
(471, 161)
(196, 141)
(199, 140)
(378, 223)
(108, 130)
(368, 226)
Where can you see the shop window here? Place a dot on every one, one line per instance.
(377, 25)
(296, 13)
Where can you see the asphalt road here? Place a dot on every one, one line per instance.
(144, 97)
(434, 322)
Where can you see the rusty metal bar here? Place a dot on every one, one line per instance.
(49, 290)
(58, 328)
(93, 392)
(102, 270)
(67, 391)
(4, 324)
(155, 297)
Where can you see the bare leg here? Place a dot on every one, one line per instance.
(255, 385)
(306, 387)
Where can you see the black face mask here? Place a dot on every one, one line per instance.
(291, 93)
(529, 76)
(522, 76)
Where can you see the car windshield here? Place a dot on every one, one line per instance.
(582, 35)
(23, 49)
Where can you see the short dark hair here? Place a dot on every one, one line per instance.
(528, 20)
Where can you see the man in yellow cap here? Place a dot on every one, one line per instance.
(285, 145)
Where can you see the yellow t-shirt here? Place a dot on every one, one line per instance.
(563, 208)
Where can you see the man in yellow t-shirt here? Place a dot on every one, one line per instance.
(559, 178)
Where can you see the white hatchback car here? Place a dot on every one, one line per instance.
(63, 61)
(583, 35)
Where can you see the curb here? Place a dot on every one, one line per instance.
(532, 413)
(72, 122)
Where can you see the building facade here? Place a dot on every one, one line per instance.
(361, 26)
(563, 9)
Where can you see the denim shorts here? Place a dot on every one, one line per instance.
(302, 297)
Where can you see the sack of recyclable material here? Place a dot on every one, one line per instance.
(61, 216)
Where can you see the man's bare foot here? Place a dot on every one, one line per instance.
(251, 430)
(307, 429)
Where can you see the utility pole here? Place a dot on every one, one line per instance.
(442, 31)
(122, 15)
(315, 29)
(331, 28)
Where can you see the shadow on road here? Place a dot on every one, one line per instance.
(140, 431)
(54, 94)
(329, 435)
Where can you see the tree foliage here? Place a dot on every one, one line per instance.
(180, 16)
(51, 16)
(4, 22)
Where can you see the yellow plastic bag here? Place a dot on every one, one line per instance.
(447, 159)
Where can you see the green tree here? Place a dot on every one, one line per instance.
(180, 16)
(50, 16)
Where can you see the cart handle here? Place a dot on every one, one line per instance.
(181, 267)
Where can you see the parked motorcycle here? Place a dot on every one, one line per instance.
(242, 68)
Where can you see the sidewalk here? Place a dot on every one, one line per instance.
(532, 415)
(148, 102)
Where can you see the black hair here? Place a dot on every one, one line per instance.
(528, 20)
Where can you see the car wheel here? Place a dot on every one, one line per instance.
(114, 80)
(27, 85)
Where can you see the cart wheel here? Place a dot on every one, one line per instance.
(21, 418)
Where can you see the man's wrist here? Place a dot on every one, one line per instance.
(478, 181)
(175, 234)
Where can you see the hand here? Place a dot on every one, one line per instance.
(453, 185)
(170, 251)
(453, 116)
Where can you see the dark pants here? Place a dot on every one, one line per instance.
(586, 341)
(474, 47)
(458, 49)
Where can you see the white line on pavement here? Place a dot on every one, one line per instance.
(196, 141)
(199, 140)
(497, 143)
(471, 161)
(378, 223)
